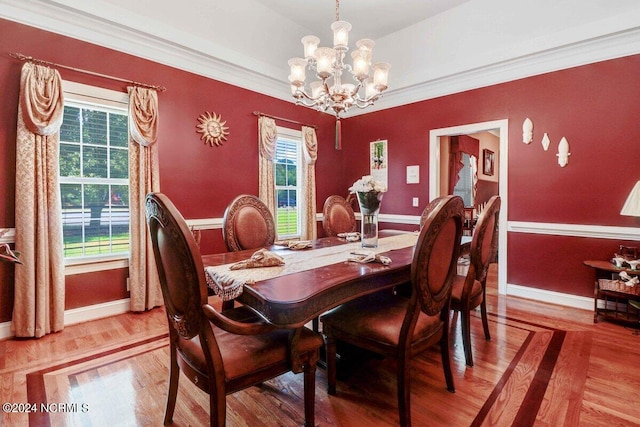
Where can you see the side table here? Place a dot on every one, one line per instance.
(614, 293)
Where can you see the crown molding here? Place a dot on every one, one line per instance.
(54, 17)
(611, 46)
(99, 30)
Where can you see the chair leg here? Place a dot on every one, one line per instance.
(485, 321)
(466, 336)
(330, 348)
(446, 360)
(227, 305)
(404, 392)
(217, 405)
(309, 394)
(172, 394)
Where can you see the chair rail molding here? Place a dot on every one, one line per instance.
(575, 230)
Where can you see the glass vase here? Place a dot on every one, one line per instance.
(369, 208)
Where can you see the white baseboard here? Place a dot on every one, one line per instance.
(97, 311)
(82, 314)
(5, 330)
(552, 297)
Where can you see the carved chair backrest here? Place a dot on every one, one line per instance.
(338, 216)
(485, 240)
(248, 224)
(179, 265)
(436, 254)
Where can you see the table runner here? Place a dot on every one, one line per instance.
(228, 283)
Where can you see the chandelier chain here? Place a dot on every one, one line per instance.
(337, 10)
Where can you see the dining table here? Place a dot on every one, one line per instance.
(313, 280)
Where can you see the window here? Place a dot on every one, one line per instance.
(287, 170)
(464, 187)
(94, 172)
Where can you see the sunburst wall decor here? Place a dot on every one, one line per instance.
(212, 128)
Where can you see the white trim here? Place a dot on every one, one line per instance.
(434, 179)
(93, 266)
(576, 230)
(205, 223)
(97, 311)
(93, 94)
(9, 237)
(100, 30)
(396, 219)
(571, 230)
(607, 47)
(82, 314)
(5, 330)
(552, 297)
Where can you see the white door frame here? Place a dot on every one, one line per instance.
(434, 179)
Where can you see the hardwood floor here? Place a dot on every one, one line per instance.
(546, 365)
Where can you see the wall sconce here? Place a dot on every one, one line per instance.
(545, 142)
(527, 131)
(563, 152)
(631, 206)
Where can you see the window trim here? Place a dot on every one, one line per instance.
(294, 135)
(90, 95)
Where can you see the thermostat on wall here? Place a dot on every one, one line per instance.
(413, 174)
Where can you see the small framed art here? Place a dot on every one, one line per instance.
(487, 164)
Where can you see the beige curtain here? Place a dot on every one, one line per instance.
(310, 149)
(38, 307)
(267, 136)
(144, 284)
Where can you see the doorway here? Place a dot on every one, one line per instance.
(501, 128)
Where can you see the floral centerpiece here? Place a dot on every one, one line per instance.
(369, 194)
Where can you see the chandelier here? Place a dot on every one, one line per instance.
(329, 92)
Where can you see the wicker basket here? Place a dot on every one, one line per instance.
(618, 286)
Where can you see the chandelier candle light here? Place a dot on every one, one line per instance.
(329, 64)
(369, 193)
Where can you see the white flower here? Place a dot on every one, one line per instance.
(366, 184)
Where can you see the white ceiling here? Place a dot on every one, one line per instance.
(435, 47)
(364, 15)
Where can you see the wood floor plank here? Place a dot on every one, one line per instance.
(118, 366)
(566, 386)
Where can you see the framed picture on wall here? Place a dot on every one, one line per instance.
(487, 164)
(378, 161)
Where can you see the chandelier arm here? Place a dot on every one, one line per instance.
(336, 97)
(302, 95)
(364, 103)
(356, 89)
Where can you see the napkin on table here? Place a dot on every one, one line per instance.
(368, 256)
(295, 244)
(260, 258)
(350, 237)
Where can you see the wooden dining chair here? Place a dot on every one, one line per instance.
(216, 351)
(398, 327)
(426, 211)
(247, 224)
(469, 291)
(338, 216)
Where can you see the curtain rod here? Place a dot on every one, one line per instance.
(22, 57)
(258, 113)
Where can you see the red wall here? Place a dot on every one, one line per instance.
(201, 180)
(595, 107)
